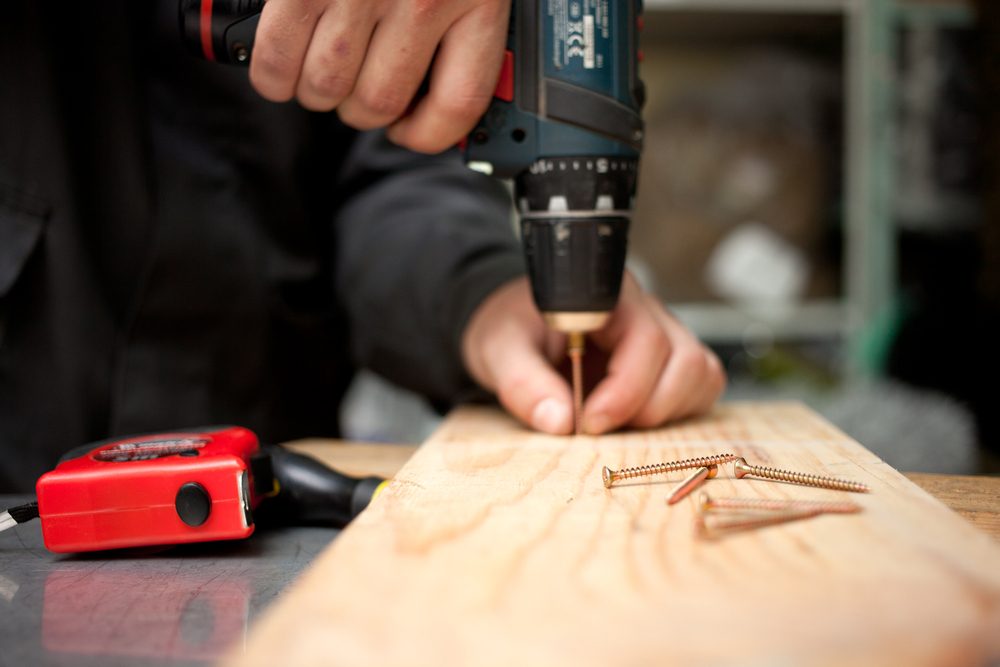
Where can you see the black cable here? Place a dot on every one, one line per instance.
(19, 514)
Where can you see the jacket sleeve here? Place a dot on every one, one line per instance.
(419, 245)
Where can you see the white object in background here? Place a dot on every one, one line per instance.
(375, 410)
(754, 264)
(8, 588)
(643, 273)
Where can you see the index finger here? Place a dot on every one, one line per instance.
(280, 44)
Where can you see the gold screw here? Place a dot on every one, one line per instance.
(708, 524)
(706, 503)
(692, 483)
(743, 469)
(575, 348)
(611, 476)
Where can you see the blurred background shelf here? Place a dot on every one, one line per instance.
(869, 32)
(956, 14)
(772, 6)
(950, 12)
(820, 319)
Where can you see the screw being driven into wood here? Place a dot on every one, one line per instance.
(742, 469)
(574, 349)
(611, 476)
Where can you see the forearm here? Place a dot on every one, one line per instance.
(419, 247)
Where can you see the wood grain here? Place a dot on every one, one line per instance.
(497, 546)
(976, 498)
(973, 497)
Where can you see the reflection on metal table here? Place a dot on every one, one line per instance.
(179, 606)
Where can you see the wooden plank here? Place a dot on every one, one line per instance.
(976, 498)
(360, 459)
(497, 546)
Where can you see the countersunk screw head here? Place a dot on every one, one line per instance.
(741, 468)
(608, 477)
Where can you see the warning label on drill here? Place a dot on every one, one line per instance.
(581, 30)
(145, 450)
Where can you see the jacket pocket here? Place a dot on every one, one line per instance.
(22, 222)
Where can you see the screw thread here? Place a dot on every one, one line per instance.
(659, 468)
(808, 480)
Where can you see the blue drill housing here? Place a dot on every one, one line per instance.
(576, 88)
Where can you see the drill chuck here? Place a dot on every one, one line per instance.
(574, 229)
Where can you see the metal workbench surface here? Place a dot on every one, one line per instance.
(185, 605)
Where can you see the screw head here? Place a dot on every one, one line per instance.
(712, 471)
(607, 476)
(741, 468)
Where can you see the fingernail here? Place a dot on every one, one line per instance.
(551, 416)
(596, 424)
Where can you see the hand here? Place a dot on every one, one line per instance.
(366, 58)
(656, 370)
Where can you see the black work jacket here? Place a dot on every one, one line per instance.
(174, 250)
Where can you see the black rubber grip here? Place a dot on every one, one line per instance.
(220, 30)
(310, 493)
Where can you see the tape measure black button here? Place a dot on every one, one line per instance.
(193, 504)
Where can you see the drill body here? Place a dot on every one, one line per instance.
(569, 86)
(564, 124)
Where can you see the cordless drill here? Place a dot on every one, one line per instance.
(564, 124)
